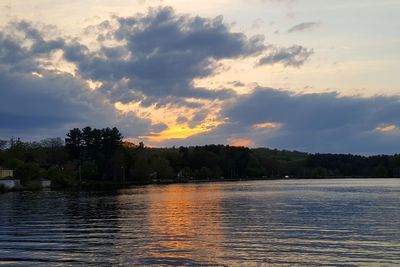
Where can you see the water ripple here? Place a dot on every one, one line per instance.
(263, 223)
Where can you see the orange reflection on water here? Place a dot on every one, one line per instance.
(186, 220)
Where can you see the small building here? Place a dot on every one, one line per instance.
(6, 173)
(10, 183)
(43, 183)
(6, 179)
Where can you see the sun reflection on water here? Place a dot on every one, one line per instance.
(186, 221)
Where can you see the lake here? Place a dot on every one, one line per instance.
(343, 222)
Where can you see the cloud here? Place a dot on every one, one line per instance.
(160, 55)
(266, 125)
(51, 105)
(324, 122)
(305, 26)
(257, 24)
(387, 128)
(36, 102)
(22, 46)
(182, 120)
(152, 59)
(321, 122)
(294, 56)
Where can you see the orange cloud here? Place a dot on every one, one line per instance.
(168, 115)
(388, 128)
(266, 125)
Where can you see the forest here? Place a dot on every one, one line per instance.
(92, 155)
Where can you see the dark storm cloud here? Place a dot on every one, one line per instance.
(324, 122)
(163, 52)
(39, 45)
(10, 50)
(47, 102)
(22, 45)
(53, 104)
(293, 56)
(305, 26)
(155, 57)
(154, 60)
(13, 56)
(27, 101)
(316, 122)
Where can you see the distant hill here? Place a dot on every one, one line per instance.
(101, 155)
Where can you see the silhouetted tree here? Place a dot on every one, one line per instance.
(74, 143)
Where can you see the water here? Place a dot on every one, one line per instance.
(261, 223)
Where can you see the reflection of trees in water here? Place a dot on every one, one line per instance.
(54, 227)
(92, 224)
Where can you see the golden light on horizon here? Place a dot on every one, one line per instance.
(168, 116)
(241, 142)
(181, 132)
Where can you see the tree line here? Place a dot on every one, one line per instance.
(102, 155)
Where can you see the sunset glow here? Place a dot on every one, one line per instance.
(241, 142)
(266, 73)
(180, 132)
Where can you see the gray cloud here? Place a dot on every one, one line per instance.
(198, 117)
(237, 84)
(155, 59)
(54, 103)
(21, 44)
(159, 127)
(322, 122)
(294, 56)
(159, 55)
(305, 26)
(48, 103)
(181, 119)
(163, 52)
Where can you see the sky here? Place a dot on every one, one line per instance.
(308, 75)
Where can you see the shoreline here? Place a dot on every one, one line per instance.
(107, 186)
